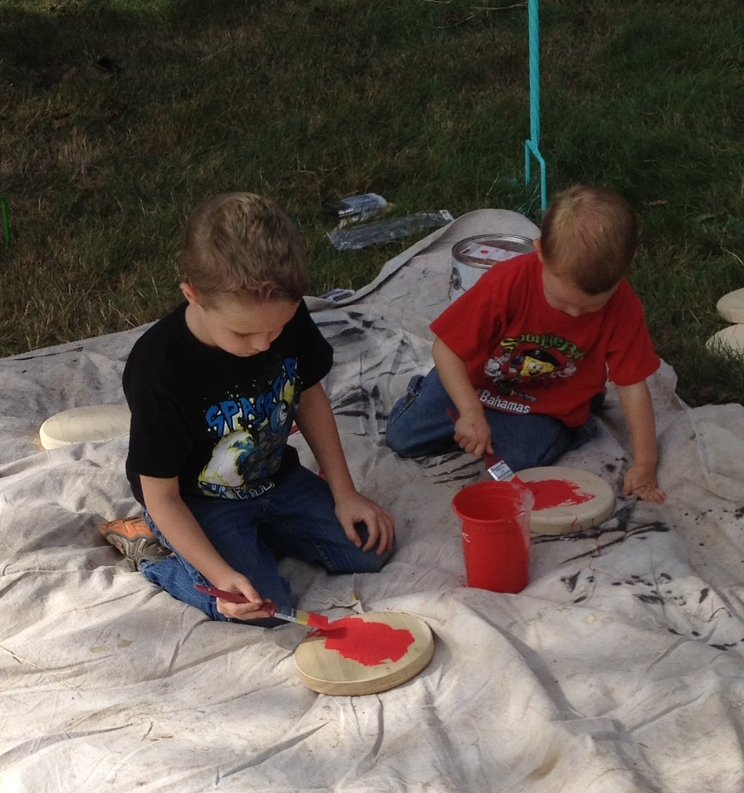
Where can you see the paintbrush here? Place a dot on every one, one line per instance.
(499, 470)
(286, 613)
(496, 467)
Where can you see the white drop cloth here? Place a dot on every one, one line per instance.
(618, 670)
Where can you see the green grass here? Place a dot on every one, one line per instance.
(117, 117)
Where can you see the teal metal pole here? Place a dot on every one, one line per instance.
(532, 146)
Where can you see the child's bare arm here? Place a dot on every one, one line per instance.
(318, 426)
(472, 432)
(185, 535)
(638, 409)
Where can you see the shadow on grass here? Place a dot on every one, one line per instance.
(42, 44)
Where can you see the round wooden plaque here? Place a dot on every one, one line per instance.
(365, 654)
(728, 340)
(83, 424)
(567, 499)
(731, 306)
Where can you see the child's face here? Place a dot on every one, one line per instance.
(241, 327)
(568, 298)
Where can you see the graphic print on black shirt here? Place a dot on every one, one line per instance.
(252, 431)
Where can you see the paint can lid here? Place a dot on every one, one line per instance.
(485, 250)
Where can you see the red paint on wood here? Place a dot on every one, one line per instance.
(557, 493)
(317, 621)
(368, 643)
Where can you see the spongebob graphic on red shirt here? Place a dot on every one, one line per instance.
(519, 361)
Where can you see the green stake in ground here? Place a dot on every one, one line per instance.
(532, 145)
(5, 212)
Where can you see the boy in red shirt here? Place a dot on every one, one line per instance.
(525, 353)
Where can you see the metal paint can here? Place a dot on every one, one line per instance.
(474, 256)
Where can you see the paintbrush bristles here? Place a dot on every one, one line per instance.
(293, 615)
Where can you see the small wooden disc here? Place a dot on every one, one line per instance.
(83, 424)
(728, 340)
(369, 638)
(731, 306)
(588, 499)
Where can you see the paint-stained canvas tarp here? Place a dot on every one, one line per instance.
(618, 670)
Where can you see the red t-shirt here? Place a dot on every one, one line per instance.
(524, 356)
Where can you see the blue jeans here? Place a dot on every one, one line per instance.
(419, 425)
(297, 518)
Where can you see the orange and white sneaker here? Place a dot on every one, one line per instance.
(133, 538)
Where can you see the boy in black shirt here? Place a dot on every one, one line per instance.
(214, 389)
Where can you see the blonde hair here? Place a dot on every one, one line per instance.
(589, 236)
(242, 244)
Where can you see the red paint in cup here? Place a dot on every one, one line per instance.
(495, 534)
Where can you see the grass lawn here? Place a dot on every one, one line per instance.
(117, 116)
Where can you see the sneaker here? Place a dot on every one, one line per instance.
(133, 538)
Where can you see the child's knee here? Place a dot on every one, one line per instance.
(400, 441)
(371, 562)
(409, 437)
(541, 452)
(359, 561)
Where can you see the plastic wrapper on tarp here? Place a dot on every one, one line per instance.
(383, 231)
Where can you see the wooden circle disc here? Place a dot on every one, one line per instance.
(731, 306)
(728, 340)
(365, 654)
(567, 499)
(83, 424)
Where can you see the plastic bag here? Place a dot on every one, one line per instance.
(357, 208)
(383, 231)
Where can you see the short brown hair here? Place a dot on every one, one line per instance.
(589, 236)
(243, 244)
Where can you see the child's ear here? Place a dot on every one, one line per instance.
(538, 250)
(190, 293)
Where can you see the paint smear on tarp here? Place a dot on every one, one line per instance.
(550, 493)
(367, 643)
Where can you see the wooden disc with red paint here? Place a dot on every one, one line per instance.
(567, 499)
(365, 653)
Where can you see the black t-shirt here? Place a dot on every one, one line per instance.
(217, 421)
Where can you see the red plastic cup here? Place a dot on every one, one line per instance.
(495, 534)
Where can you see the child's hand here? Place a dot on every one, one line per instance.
(238, 583)
(642, 483)
(473, 434)
(356, 508)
